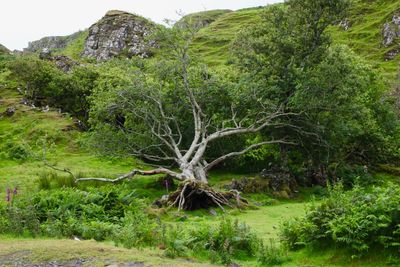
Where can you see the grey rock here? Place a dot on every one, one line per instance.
(391, 31)
(10, 111)
(213, 212)
(390, 55)
(119, 33)
(45, 54)
(345, 24)
(64, 63)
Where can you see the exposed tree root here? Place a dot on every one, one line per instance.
(193, 195)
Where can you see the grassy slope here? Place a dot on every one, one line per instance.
(365, 34)
(202, 19)
(3, 49)
(75, 48)
(212, 43)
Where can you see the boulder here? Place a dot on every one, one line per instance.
(391, 31)
(390, 55)
(119, 33)
(9, 112)
(345, 24)
(45, 54)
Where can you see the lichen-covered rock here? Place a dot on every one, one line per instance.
(51, 43)
(119, 33)
(391, 31)
(345, 24)
(64, 63)
(390, 55)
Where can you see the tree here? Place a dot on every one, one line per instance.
(175, 109)
(290, 58)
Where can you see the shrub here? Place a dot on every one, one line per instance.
(360, 219)
(271, 254)
(137, 230)
(95, 213)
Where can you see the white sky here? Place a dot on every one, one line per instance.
(22, 21)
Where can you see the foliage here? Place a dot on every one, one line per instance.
(271, 254)
(359, 220)
(45, 84)
(331, 88)
(67, 212)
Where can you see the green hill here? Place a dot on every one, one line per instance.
(365, 34)
(212, 43)
(201, 19)
(366, 20)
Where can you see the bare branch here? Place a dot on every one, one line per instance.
(132, 174)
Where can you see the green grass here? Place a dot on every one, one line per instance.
(365, 34)
(212, 43)
(202, 19)
(36, 251)
(75, 48)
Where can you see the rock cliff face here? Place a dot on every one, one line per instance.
(51, 43)
(391, 30)
(119, 33)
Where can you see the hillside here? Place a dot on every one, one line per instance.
(364, 34)
(362, 31)
(212, 43)
(201, 19)
(3, 49)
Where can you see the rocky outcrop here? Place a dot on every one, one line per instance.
(391, 31)
(119, 33)
(51, 43)
(64, 63)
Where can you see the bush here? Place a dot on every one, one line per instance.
(271, 255)
(137, 230)
(95, 213)
(360, 219)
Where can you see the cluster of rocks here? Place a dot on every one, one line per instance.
(119, 33)
(274, 180)
(64, 63)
